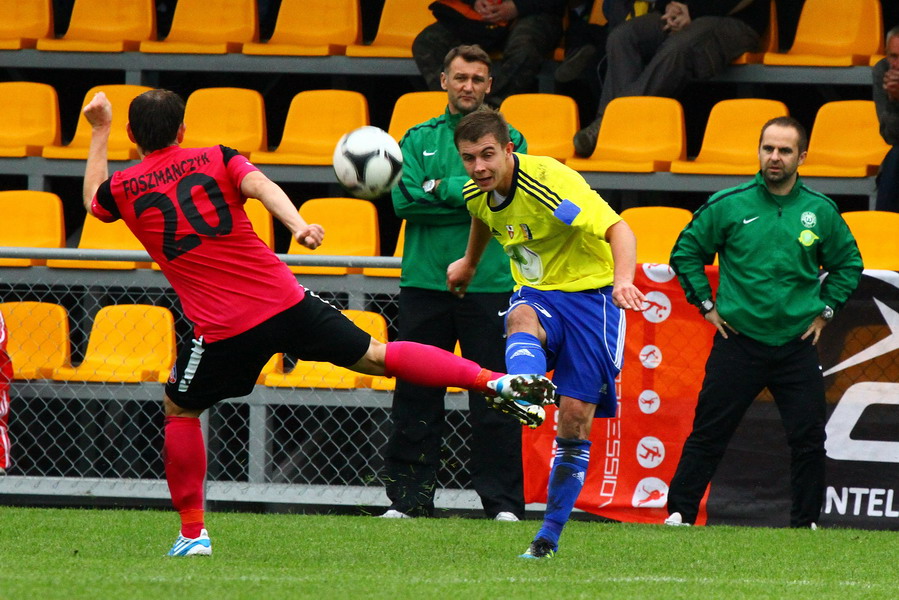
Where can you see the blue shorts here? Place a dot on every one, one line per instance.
(584, 342)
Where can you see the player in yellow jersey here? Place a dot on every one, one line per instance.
(573, 260)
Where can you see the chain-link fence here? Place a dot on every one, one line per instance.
(78, 430)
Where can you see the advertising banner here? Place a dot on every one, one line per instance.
(634, 455)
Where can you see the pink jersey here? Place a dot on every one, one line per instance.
(5, 378)
(185, 206)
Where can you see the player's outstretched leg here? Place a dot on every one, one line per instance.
(523, 397)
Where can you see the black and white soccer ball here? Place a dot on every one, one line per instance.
(368, 162)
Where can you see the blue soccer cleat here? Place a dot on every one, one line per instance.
(198, 546)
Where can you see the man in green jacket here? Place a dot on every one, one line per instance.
(429, 198)
(772, 236)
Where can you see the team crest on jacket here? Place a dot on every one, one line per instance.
(808, 219)
(807, 237)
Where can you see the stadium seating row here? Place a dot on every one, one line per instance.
(333, 27)
(845, 139)
(134, 343)
(34, 220)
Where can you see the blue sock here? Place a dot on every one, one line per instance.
(525, 354)
(565, 482)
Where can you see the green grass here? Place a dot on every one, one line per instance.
(98, 554)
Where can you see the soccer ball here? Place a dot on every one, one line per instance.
(368, 162)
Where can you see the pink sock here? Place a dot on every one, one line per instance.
(430, 366)
(184, 455)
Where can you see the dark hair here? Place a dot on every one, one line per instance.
(788, 122)
(155, 117)
(472, 53)
(481, 122)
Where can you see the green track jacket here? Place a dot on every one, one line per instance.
(769, 249)
(437, 223)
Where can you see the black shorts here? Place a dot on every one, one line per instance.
(312, 329)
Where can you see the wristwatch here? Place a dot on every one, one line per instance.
(706, 306)
(827, 313)
(429, 185)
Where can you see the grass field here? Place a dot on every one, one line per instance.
(99, 554)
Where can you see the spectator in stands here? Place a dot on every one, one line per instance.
(770, 236)
(525, 31)
(573, 260)
(886, 100)
(185, 205)
(585, 42)
(659, 53)
(5, 380)
(429, 198)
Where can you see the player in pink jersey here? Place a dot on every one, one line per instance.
(186, 208)
(5, 379)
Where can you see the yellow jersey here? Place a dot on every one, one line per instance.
(552, 225)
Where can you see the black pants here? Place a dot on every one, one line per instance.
(413, 452)
(738, 369)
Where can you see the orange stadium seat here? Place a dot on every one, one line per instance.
(233, 117)
(103, 26)
(397, 253)
(875, 233)
(29, 118)
(638, 134)
(324, 375)
(656, 228)
(351, 229)
(547, 121)
(401, 21)
(262, 221)
(845, 141)
(316, 119)
(38, 338)
(312, 28)
(208, 27)
(24, 23)
(97, 235)
(31, 219)
(128, 343)
(834, 33)
(731, 140)
(120, 147)
(876, 58)
(413, 108)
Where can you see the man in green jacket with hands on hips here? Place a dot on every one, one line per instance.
(429, 198)
(773, 236)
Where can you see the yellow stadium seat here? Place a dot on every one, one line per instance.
(128, 343)
(103, 26)
(30, 219)
(233, 117)
(547, 121)
(262, 221)
(120, 147)
(312, 28)
(731, 140)
(876, 58)
(401, 21)
(397, 253)
(768, 43)
(275, 365)
(834, 33)
(316, 119)
(656, 228)
(314, 374)
(98, 235)
(413, 108)
(845, 141)
(638, 134)
(29, 118)
(208, 27)
(351, 229)
(38, 338)
(875, 232)
(25, 22)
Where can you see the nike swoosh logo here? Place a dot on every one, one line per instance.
(426, 153)
(747, 221)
